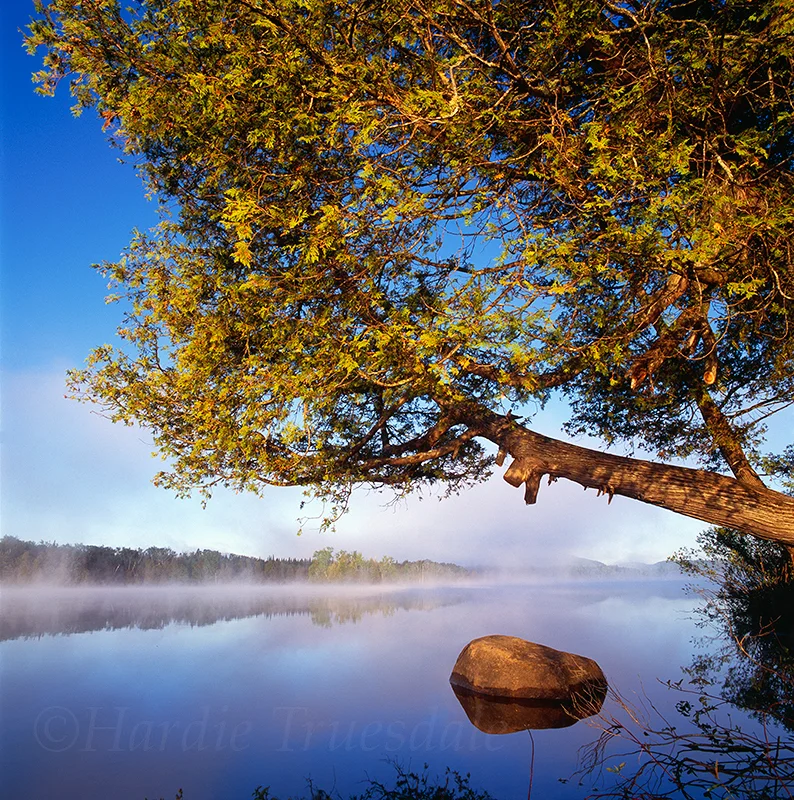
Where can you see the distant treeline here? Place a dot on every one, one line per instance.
(326, 565)
(23, 562)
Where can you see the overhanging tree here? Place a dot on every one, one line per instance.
(390, 223)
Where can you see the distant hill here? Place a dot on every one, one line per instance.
(588, 569)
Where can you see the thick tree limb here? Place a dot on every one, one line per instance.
(708, 496)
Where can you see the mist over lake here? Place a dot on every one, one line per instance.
(137, 692)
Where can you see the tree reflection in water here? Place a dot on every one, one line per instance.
(31, 612)
(709, 750)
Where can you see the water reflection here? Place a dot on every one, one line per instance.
(499, 715)
(730, 733)
(275, 699)
(36, 612)
(705, 750)
(754, 657)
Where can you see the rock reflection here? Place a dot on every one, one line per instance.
(499, 715)
(31, 613)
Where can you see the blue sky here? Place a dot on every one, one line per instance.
(70, 476)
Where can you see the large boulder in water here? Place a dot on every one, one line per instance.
(506, 666)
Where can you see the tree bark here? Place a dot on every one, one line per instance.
(707, 496)
(725, 439)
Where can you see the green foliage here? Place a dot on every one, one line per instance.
(781, 465)
(750, 605)
(738, 566)
(326, 565)
(406, 786)
(23, 562)
(385, 214)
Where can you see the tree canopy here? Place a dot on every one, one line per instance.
(389, 228)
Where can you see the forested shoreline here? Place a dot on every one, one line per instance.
(27, 562)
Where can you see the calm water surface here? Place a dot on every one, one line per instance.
(135, 693)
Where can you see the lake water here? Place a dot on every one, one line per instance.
(135, 693)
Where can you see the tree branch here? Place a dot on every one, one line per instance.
(708, 496)
(726, 440)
